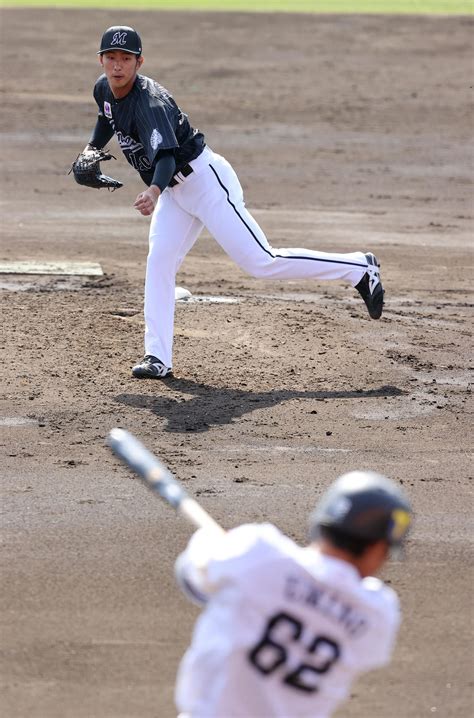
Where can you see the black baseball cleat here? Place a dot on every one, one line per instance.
(151, 368)
(370, 287)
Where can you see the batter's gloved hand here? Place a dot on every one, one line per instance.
(86, 169)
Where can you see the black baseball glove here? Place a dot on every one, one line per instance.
(86, 169)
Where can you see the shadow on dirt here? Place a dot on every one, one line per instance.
(211, 406)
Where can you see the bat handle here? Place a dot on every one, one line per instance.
(191, 510)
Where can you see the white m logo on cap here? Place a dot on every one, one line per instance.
(119, 38)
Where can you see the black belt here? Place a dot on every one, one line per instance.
(184, 171)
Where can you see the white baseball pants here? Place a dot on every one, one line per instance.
(212, 197)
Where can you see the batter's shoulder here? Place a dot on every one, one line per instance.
(381, 596)
(263, 539)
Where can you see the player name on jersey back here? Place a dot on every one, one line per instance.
(285, 630)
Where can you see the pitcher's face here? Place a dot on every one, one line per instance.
(120, 70)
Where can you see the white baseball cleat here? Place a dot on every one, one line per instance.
(151, 368)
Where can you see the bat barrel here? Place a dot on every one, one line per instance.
(132, 452)
(157, 477)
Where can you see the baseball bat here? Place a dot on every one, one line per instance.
(159, 479)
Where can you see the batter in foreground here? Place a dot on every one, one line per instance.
(190, 187)
(285, 630)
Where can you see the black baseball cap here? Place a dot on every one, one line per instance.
(121, 37)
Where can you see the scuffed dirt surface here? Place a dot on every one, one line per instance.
(347, 133)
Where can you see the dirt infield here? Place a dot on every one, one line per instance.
(348, 133)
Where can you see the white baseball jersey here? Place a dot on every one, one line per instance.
(285, 629)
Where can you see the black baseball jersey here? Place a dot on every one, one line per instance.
(148, 122)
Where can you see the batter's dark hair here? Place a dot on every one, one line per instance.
(341, 539)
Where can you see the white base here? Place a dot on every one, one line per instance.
(181, 294)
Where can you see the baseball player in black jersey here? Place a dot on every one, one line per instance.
(190, 187)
